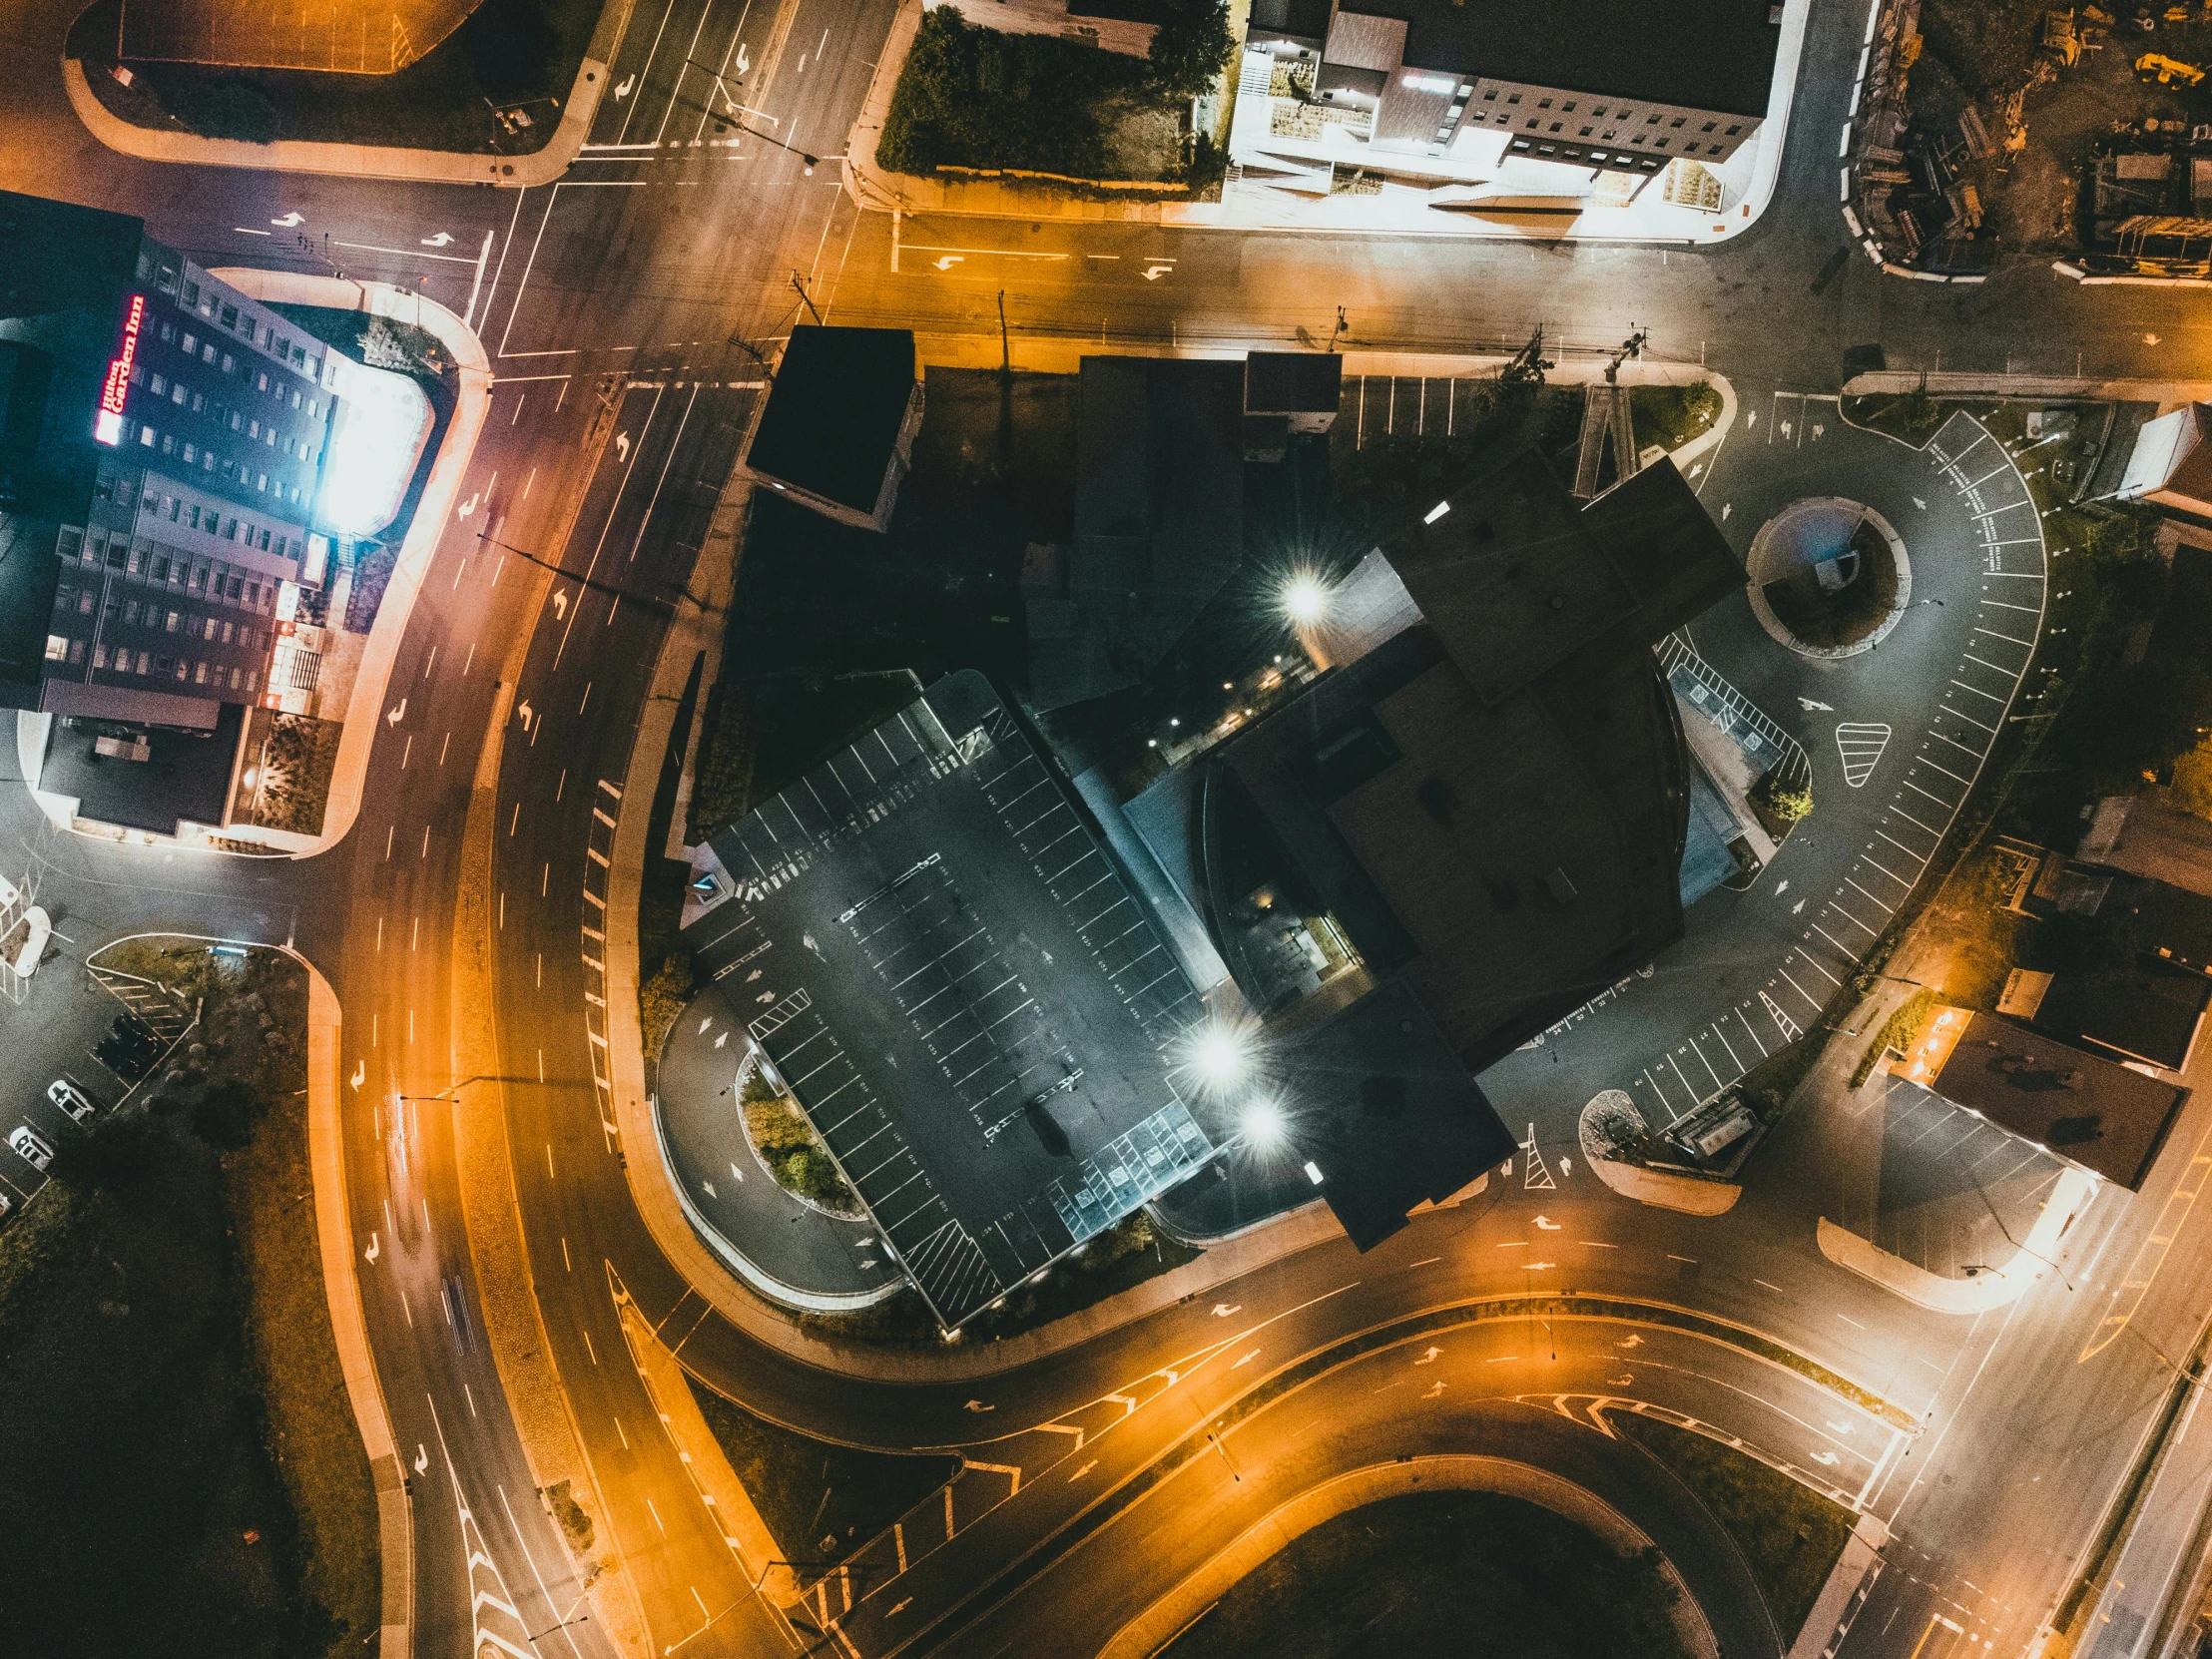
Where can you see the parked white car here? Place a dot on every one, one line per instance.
(26, 940)
(30, 1148)
(70, 1099)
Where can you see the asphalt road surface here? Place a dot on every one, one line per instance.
(653, 278)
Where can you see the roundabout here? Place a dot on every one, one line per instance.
(1829, 577)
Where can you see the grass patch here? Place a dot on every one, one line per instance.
(176, 1401)
(1895, 1032)
(661, 999)
(1414, 1575)
(507, 52)
(1789, 1535)
(821, 1500)
(972, 97)
(1124, 1256)
(1671, 416)
(297, 760)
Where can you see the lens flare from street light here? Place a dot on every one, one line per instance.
(1264, 1124)
(1219, 1055)
(1305, 599)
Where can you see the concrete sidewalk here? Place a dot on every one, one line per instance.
(1252, 206)
(341, 1288)
(415, 552)
(1983, 1290)
(363, 161)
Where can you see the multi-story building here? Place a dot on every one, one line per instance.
(1459, 89)
(166, 438)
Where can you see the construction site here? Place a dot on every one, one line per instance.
(2082, 132)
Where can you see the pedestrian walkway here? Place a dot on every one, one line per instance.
(366, 160)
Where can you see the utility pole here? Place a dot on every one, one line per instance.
(803, 301)
(1005, 342)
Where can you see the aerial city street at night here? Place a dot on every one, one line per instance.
(1105, 829)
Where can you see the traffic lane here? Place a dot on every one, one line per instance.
(1381, 1407)
(1575, 1238)
(590, 651)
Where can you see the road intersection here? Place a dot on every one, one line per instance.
(647, 285)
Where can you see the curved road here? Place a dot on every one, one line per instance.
(642, 284)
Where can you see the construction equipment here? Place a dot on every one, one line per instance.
(2166, 70)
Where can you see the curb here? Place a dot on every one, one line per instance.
(1188, 1601)
(2074, 1190)
(367, 160)
(343, 1290)
(424, 531)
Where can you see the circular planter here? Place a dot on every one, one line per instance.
(1790, 545)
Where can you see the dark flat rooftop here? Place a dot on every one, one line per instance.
(832, 417)
(2095, 1111)
(949, 970)
(2146, 1014)
(187, 775)
(1707, 54)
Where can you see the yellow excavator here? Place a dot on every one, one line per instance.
(2166, 71)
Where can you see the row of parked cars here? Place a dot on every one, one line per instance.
(130, 1050)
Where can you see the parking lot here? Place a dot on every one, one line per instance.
(979, 1016)
(66, 1030)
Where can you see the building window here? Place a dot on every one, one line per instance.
(192, 455)
(1585, 132)
(189, 344)
(226, 628)
(1513, 98)
(84, 603)
(170, 625)
(76, 652)
(145, 661)
(1567, 108)
(57, 648)
(1532, 124)
(1713, 150)
(1466, 92)
(1547, 149)
(146, 436)
(99, 656)
(237, 420)
(131, 614)
(1678, 121)
(1709, 125)
(207, 353)
(199, 404)
(1556, 126)
(229, 363)
(1651, 120)
(230, 317)
(160, 387)
(261, 380)
(1733, 131)
(176, 393)
(1598, 110)
(252, 430)
(200, 674)
(1544, 103)
(1662, 144)
(1609, 135)
(168, 444)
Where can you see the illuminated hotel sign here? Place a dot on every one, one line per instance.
(107, 426)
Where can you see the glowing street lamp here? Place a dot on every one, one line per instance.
(1219, 1055)
(1264, 1124)
(1305, 599)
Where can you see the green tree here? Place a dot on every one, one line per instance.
(1191, 47)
